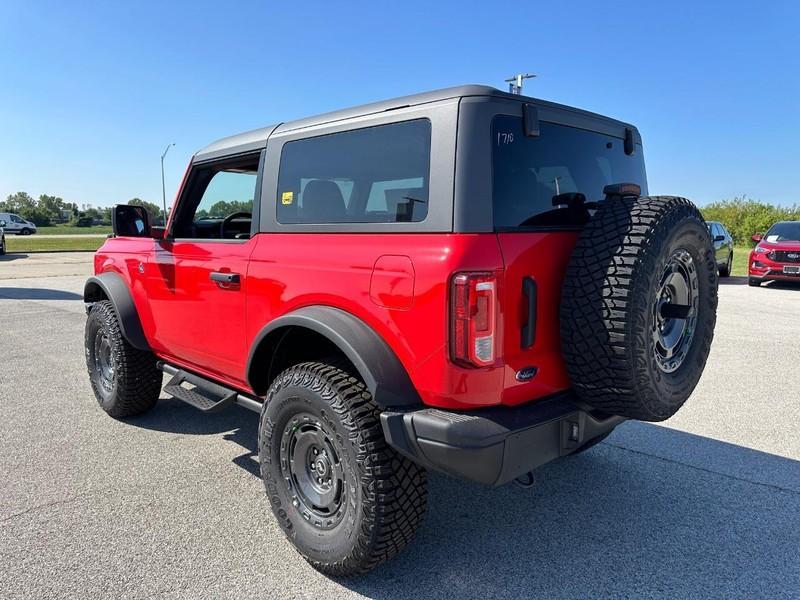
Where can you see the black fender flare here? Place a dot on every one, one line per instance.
(376, 363)
(113, 287)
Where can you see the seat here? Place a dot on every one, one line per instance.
(323, 202)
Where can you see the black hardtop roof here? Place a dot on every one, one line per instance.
(252, 140)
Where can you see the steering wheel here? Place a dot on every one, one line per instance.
(227, 220)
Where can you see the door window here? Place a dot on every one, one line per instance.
(218, 201)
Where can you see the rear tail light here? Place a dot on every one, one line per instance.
(473, 319)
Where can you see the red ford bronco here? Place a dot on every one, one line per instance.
(464, 280)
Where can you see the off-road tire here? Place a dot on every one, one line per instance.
(136, 382)
(725, 270)
(386, 492)
(607, 304)
(753, 282)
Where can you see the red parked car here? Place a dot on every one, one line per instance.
(777, 255)
(464, 280)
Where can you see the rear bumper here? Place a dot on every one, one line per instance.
(494, 445)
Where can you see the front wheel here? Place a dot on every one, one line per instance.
(125, 380)
(25, 231)
(753, 282)
(343, 497)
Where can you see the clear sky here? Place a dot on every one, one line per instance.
(92, 92)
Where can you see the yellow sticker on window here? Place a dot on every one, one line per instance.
(287, 197)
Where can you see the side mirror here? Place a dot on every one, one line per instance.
(719, 238)
(130, 221)
(757, 237)
(2, 223)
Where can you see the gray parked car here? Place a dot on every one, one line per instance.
(723, 247)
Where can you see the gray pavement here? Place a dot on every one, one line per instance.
(170, 504)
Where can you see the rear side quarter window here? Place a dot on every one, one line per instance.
(377, 174)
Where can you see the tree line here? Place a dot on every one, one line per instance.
(52, 210)
(743, 217)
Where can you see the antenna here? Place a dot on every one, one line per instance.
(515, 82)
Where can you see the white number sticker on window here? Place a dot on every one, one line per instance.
(504, 138)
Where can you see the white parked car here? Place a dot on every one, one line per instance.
(16, 224)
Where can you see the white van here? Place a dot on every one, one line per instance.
(16, 224)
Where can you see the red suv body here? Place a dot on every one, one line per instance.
(776, 257)
(464, 280)
(393, 271)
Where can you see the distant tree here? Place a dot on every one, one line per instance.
(25, 206)
(223, 209)
(52, 206)
(154, 210)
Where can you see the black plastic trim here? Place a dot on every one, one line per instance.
(529, 329)
(376, 363)
(494, 445)
(115, 289)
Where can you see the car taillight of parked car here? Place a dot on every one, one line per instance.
(473, 318)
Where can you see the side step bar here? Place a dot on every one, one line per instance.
(204, 394)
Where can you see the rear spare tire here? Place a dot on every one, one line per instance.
(638, 306)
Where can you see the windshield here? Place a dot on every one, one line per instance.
(784, 232)
(537, 179)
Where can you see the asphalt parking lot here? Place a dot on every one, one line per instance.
(170, 504)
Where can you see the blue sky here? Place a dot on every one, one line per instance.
(90, 96)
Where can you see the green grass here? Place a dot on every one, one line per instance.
(36, 243)
(72, 230)
(741, 254)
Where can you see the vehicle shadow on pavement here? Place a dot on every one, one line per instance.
(651, 512)
(9, 256)
(18, 293)
(732, 280)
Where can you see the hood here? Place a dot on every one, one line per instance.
(788, 245)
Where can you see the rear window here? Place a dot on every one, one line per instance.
(372, 175)
(535, 179)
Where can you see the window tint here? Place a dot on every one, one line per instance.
(784, 232)
(541, 181)
(373, 175)
(16, 219)
(216, 193)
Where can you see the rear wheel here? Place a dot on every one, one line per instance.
(725, 270)
(125, 380)
(343, 497)
(638, 306)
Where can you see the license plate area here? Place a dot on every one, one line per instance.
(791, 269)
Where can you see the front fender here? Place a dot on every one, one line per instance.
(112, 287)
(376, 363)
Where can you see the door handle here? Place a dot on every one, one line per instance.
(529, 329)
(225, 278)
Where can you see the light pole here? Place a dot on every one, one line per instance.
(163, 185)
(515, 82)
